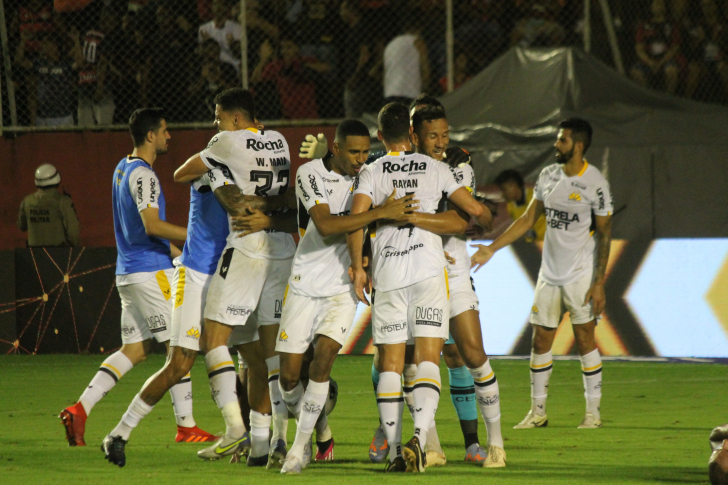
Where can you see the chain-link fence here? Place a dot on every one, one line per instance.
(92, 62)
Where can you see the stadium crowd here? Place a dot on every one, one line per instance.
(95, 61)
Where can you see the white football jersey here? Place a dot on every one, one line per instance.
(405, 255)
(457, 246)
(568, 250)
(321, 264)
(259, 162)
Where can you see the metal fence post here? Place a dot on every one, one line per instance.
(243, 19)
(450, 46)
(611, 34)
(8, 68)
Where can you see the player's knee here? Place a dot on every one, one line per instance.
(288, 379)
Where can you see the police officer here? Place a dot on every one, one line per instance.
(47, 215)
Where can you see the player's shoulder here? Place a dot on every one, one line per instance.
(315, 166)
(593, 175)
(550, 170)
(142, 170)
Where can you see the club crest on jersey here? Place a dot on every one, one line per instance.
(257, 145)
(194, 333)
(575, 196)
(412, 166)
(283, 337)
(534, 309)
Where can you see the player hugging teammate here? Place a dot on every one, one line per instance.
(391, 227)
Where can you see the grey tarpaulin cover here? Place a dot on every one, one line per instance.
(666, 158)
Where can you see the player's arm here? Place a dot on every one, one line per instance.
(604, 240)
(355, 243)
(442, 223)
(156, 227)
(331, 225)
(255, 221)
(235, 203)
(514, 232)
(193, 168)
(477, 210)
(174, 251)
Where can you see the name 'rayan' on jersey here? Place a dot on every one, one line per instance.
(405, 255)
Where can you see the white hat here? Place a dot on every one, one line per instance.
(46, 175)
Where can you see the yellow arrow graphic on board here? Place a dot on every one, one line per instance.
(717, 295)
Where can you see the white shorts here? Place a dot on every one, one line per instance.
(419, 310)
(462, 295)
(244, 334)
(146, 309)
(550, 303)
(242, 285)
(189, 292)
(304, 317)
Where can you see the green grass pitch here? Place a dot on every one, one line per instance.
(656, 422)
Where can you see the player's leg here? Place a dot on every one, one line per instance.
(136, 341)
(546, 315)
(390, 334)
(465, 328)
(428, 315)
(584, 325)
(241, 388)
(379, 447)
(462, 394)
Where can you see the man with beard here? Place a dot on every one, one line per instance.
(571, 194)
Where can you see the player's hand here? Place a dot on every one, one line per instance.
(449, 258)
(253, 221)
(314, 146)
(597, 297)
(456, 156)
(481, 256)
(361, 283)
(398, 209)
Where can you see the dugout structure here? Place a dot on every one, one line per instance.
(666, 158)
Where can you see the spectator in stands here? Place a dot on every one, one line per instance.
(657, 45)
(224, 31)
(705, 42)
(406, 64)
(538, 28)
(461, 72)
(517, 197)
(215, 76)
(34, 17)
(47, 215)
(261, 26)
(357, 57)
(293, 74)
(95, 101)
(51, 93)
(169, 52)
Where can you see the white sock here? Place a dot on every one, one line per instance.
(427, 395)
(391, 404)
(181, 394)
(221, 372)
(278, 405)
(313, 400)
(292, 399)
(591, 368)
(259, 434)
(111, 370)
(134, 413)
(541, 367)
(487, 395)
(408, 376)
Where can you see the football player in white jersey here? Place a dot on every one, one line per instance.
(430, 132)
(251, 274)
(572, 194)
(410, 277)
(320, 302)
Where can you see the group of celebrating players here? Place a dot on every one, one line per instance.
(391, 225)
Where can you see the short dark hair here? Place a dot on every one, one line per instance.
(509, 176)
(581, 131)
(350, 128)
(426, 114)
(144, 120)
(394, 122)
(237, 99)
(425, 100)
